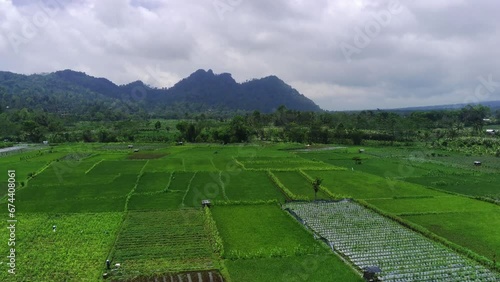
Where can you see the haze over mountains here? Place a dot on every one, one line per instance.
(68, 90)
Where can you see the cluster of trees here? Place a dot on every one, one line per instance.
(339, 127)
(234, 131)
(71, 103)
(27, 125)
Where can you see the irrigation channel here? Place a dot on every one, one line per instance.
(368, 239)
(15, 149)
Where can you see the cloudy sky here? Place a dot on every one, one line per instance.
(343, 54)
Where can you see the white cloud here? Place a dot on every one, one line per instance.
(429, 52)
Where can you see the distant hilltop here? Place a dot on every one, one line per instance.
(68, 91)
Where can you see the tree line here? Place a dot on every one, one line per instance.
(283, 125)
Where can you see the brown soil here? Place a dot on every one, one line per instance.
(195, 276)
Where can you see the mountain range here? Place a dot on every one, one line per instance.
(493, 105)
(72, 92)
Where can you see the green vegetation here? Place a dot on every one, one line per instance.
(260, 231)
(159, 242)
(432, 205)
(369, 239)
(74, 252)
(170, 200)
(180, 181)
(289, 163)
(124, 180)
(476, 230)
(204, 186)
(297, 268)
(148, 206)
(153, 182)
(251, 186)
(361, 185)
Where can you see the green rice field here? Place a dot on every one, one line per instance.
(143, 211)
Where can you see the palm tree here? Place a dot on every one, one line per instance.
(316, 183)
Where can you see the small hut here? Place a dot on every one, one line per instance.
(370, 273)
(206, 203)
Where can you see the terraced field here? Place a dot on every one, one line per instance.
(298, 185)
(368, 239)
(153, 243)
(143, 211)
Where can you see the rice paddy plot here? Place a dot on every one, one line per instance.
(406, 166)
(50, 193)
(157, 165)
(44, 155)
(74, 205)
(119, 187)
(140, 146)
(319, 268)
(298, 184)
(473, 184)
(225, 163)
(75, 251)
(193, 276)
(153, 182)
(173, 164)
(251, 186)
(490, 163)
(477, 231)
(369, 239)
(180, 181)
(274, 151)
(255, 231)
(158, 201)
(196, 159)
(118, 156)
(145, 156)
(286, 163)
(206, 186)
(159, 242)
(23, 169)
(199, 164)
(366, 186)
(66, 172)
(116, 167)
(407, 206)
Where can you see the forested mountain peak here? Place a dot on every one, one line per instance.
(203, 88)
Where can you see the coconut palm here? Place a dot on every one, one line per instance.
(316, 184)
